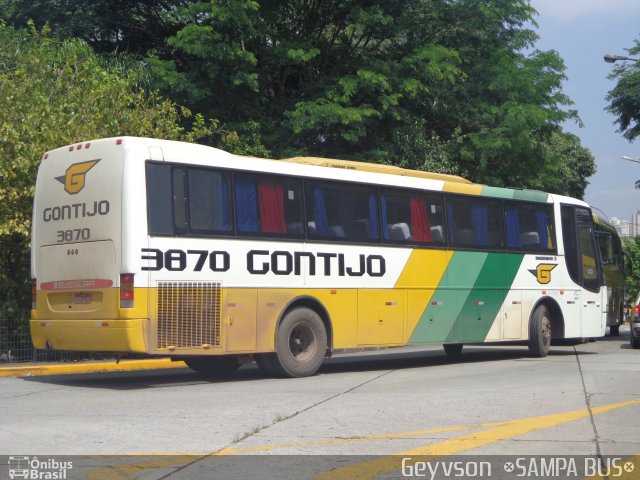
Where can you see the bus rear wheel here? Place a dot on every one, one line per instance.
(214, 367)
(301, 344)
(540, 332)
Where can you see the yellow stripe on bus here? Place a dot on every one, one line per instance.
(421, 276)
(468, 189)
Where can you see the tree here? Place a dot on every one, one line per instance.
(632, 286)
(572, 165)
(624, 98)
(57, 93)
(134, 26)
(437, 84)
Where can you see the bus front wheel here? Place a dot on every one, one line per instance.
(301, 344)
(453, 350)
(540, 332)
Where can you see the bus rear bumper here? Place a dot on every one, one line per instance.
(125, 336)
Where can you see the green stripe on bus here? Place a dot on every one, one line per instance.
(531, 195)
(497, 192)
(466, 307)
(440, 316)
(481, 307)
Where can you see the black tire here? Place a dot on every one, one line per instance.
(614, 330)
(266, 363)
(213, 367)
(540, 332)
(633, 340)
(301, 344)
(453, 350)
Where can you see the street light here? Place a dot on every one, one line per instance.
(610, 58)
(629, 159)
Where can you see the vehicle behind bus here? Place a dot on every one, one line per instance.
(615, 265)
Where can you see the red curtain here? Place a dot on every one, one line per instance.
(420, 228)
(271, 203)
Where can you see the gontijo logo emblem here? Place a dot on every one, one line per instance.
(73, 179)
(543, 272)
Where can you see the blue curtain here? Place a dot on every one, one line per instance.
(383, 214)
(451, 226)
(480, 225)
(246, 205)
(542, 220)
(320, 212)
(224, 201)
(513, 227)
(373, 217)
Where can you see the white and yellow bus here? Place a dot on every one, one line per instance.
(174, 249)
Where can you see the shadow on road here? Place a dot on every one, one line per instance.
(384, 359)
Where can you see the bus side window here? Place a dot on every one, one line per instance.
(209, 204)
(268, 205)
(529, 227)
(348, 212)
(412, 217)
(475, 222)
(605, 244)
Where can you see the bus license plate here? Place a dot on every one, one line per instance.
(82, 298)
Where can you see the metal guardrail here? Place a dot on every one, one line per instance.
(16, 347)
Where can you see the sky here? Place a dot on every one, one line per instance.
(582, 32)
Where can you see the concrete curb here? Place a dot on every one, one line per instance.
(40, 369)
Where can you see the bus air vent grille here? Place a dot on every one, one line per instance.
(188, 314)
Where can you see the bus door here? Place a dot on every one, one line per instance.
(584, 266)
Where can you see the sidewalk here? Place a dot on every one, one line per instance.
(41, 369)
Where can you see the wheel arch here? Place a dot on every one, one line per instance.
(316, 305)
(557, 317)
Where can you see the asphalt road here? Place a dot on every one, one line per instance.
(358, 418)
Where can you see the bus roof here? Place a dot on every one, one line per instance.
(449, 183)
(597, 219)
(374, 167)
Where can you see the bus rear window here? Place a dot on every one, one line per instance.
(187, 200)
(159, 209)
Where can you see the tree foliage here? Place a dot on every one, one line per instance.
(632, 287)
(451, 86)
(56, 93)
(624, 98)
(573, 164)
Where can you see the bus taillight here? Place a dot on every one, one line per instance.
(126, 290)
(34, 292)
(637, 309)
